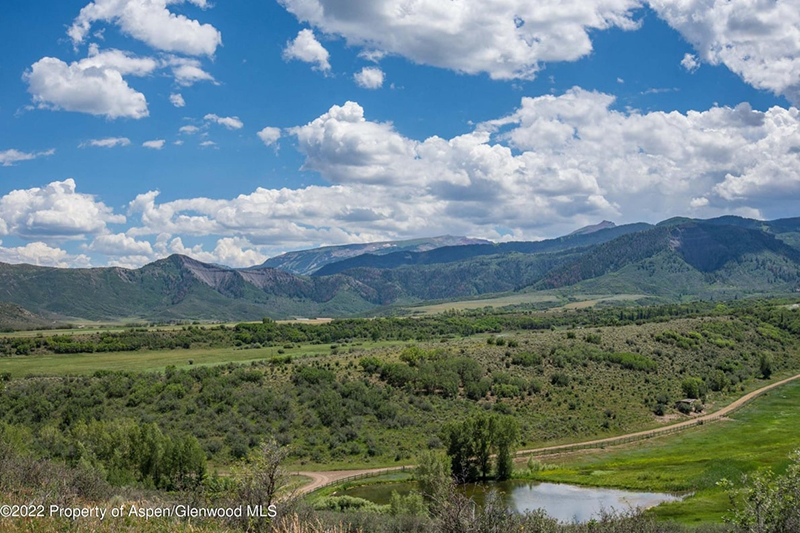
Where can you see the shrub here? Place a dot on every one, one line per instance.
(526, 359)
(370, 365)
(693, 388)
(344, 504)
(593, 338)
(765, 366)
(631, 361)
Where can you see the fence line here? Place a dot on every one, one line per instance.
(363, 475)
(682, 426)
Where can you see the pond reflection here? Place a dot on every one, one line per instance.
(566, 503)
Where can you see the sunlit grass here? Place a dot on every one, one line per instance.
(152, 360)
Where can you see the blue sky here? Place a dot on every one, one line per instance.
(494, 119)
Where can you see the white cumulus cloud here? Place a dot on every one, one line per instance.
(41, 254)
(156, 144)
(690, 62)
(120, 244)
(269, 135)
(231, 123)
(186, 71)
(177, 100)
(188, 130)
(556, 163)
(151, 22)
(369, 78)
(758, 40)
(93, 85)
(235, 252)
(505, 38)
(305, 47)
(56, 211)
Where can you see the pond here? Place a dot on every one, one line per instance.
(566, 503)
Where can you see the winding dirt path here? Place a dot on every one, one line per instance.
(672, 427)
(322, 479)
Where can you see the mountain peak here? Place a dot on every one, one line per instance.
(605, 224)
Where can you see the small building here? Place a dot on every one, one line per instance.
(686, 405)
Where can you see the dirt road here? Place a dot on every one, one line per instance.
(322, 479)
(673, 427)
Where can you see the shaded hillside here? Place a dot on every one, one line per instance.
(14, 317)
(305, 262)
(177, 288)
(785, 229)
(461, 279)
(450, 254)
(694, 258)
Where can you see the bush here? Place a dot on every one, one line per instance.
(526, 359)
(767, 503)
(694, 388)
(344, 504)
(593, 338)
(632, 361)
(765, 366)
(370, 365)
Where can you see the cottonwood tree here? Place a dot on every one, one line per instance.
(471, 444)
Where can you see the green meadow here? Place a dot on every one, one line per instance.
(153, 360)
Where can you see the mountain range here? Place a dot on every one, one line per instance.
(678, 259)
(306, 262)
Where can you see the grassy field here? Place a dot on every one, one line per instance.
(145, 361)
(498, 302)
(111, 327)
(590, 301)
(760, 435)
(574, 302)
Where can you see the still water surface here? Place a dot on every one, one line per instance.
(566, 503)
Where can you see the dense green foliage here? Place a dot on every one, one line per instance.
(560, 376)
(472, 443)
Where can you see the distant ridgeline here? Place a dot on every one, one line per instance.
(677, 260)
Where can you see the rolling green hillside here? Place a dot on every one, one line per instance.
(697, 260)
(177, 288)
(13, 317)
